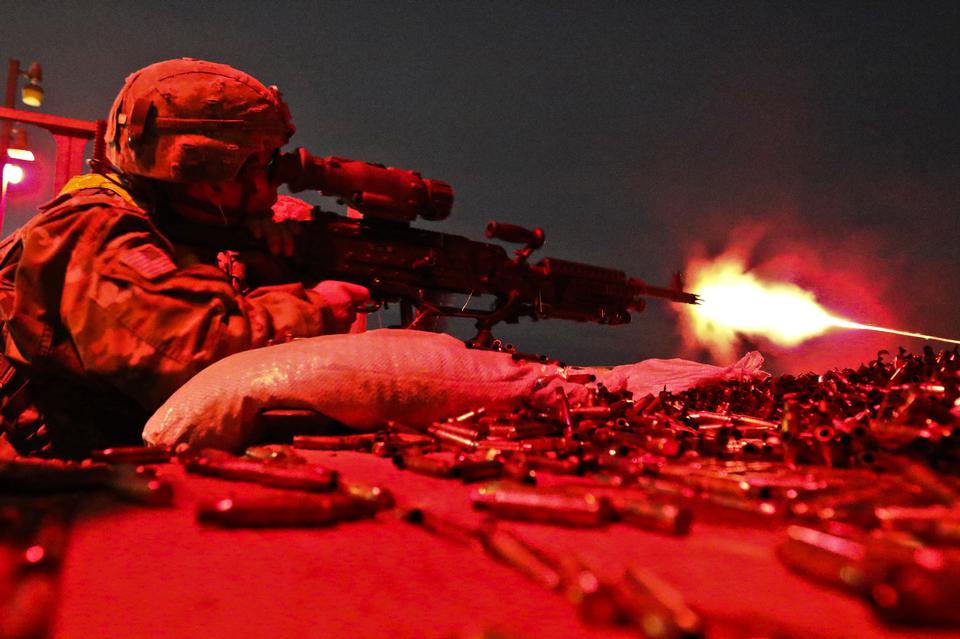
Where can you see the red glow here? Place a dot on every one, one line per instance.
(826, 278)
(12, 174)
(25, 155)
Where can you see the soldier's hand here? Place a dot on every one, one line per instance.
(291, 209)
(280, 229)
(341, 301)
(279, 236)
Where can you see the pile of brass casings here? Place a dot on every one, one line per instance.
(859, 465)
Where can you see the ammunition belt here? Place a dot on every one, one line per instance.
(21, 421)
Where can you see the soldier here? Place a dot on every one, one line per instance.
(106, 307)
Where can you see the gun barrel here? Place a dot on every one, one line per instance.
(672, 294)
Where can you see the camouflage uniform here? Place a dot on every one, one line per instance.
(107, 317)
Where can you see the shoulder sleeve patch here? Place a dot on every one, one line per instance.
(149, 261)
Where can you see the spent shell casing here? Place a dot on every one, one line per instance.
(440, 526)
(627, 468)
(718, 483)
(499, 445)
(741, 503)
(394, 443)
(651, 515)
(656, 607)
(379, 497)
(471, 431)
(361, 441)
(137, 484)
(424, 465)
(932, 484)
(664, 488)
(640, 405)
(510, 501)
(919, 594)
(542, 463)
(440, 433)
(736, 419)
(824, 557)
(43, 475)
(561, 445)
(470, 470)
(522, 430)
(299, 477)
(666, 446)
(275, 454)
(470, 415)
(133, 455)
(591, 412)
(285, 509)
(935, 524)
(564, 408)
(579, 377)
(595, 600)
(506, 547)
(518, 470)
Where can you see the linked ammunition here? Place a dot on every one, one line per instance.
(285, 509)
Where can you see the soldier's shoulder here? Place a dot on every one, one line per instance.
(94, 191)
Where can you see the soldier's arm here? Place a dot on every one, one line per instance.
(145, 325)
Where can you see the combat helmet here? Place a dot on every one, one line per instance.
(188, 120)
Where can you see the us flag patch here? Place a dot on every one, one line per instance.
(149, 261)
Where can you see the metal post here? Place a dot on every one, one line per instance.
(9, 100)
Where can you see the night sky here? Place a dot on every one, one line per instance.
(635, 134)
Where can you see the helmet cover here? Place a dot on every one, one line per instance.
(188, 120)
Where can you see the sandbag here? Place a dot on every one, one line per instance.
(411, 377)
(654, 375)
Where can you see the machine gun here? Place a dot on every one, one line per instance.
(418, 268)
